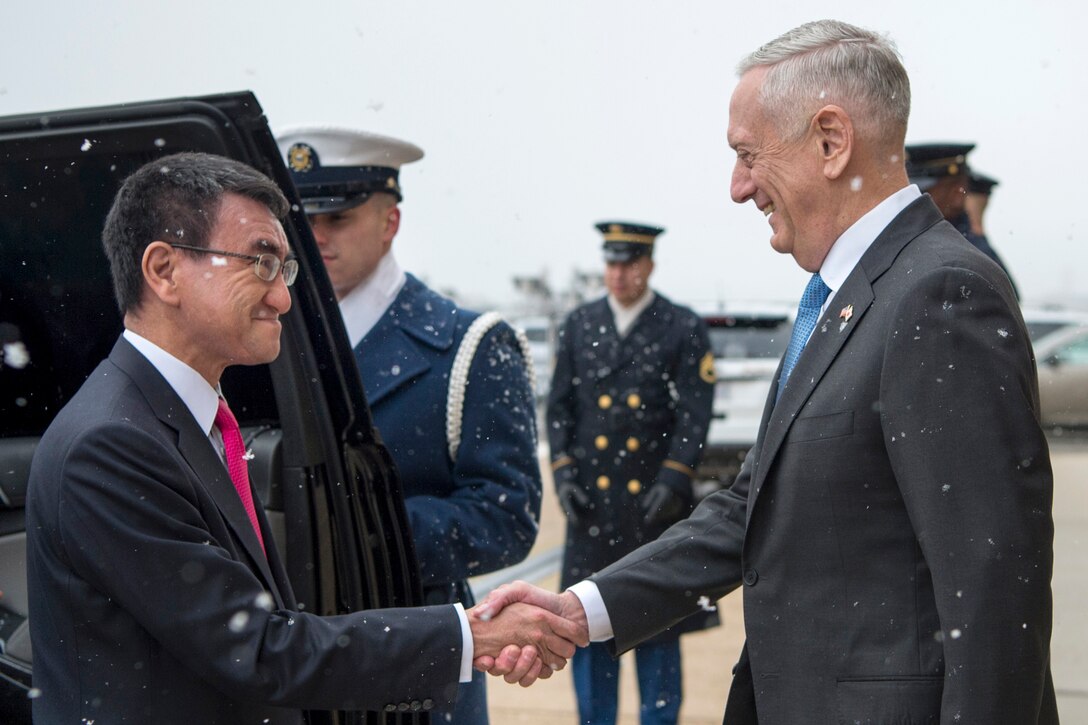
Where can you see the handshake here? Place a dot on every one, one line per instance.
(523, 633)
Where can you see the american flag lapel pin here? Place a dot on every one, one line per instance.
(845, 315)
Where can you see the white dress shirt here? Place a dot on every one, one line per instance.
(625, 317)
(844, 255)
(202, 400)
(364, 305)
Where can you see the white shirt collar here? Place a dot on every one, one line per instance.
(625, 316)
(849, 248)
(201, 399)
(367, 302)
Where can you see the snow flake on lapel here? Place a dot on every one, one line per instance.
(845, 315)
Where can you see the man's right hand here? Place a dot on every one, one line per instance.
(528, 640)
(574, 501)
(511, 662)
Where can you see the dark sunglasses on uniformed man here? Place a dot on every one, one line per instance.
(265, 266)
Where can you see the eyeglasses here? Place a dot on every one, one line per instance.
(265, 266)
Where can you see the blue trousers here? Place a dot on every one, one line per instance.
(596, 683)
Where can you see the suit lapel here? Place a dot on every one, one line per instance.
(201, 455)
(828, 339)
(834, 329)
(198, 451)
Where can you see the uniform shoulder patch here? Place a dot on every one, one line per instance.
(706, 368)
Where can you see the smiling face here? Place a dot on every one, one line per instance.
(783, 178)
(353, 241)
(228, 315)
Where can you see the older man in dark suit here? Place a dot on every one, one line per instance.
(891, 528)
(156, 591)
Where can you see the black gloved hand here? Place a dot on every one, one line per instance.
(661, 505)
(574, 501)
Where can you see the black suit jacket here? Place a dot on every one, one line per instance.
(150, 599)
(892, 527)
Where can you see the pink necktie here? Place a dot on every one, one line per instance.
(236, 465)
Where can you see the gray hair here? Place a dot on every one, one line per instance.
(828, 61)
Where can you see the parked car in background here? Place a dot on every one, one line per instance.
(747, 344)
(1060, 341)
(328, 484)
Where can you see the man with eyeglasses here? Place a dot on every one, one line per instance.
(156, 590)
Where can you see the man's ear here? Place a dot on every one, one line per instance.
(160, 270)
(835, 135)
(392, 225)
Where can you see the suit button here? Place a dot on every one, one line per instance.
(390, 708)
(417, 705)
(601, 442)
(403, 707)
(428, 704)
(633, 486)
(605, 402)
(633, 400)
(751, 576)
(632, 444)
(603, 483)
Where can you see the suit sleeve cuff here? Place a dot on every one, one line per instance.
(600, 625)
(466, 644)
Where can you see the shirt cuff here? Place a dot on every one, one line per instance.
(600, 625)
(466, 644)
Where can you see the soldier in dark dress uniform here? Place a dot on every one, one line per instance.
(941, 170)
(628, 414)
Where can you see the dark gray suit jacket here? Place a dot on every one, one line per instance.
(150, 599)
(892, 527)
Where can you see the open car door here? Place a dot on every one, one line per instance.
(329, 486)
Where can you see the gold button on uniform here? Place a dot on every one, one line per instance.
(603, 483)
(633, 400)
(605, 401)
(632, 444)
(601, 442)
(633, 486)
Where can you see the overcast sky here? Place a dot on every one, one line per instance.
(539, 119)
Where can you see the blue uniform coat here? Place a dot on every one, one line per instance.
(479, 513)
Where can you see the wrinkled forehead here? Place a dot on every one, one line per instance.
(745, 107)
(250, 226)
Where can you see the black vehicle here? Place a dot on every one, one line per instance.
(328, 484)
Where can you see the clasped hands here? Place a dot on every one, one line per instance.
(523, 633)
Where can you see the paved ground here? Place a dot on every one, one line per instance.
(709, 656)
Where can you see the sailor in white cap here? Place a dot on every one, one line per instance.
(450, 389)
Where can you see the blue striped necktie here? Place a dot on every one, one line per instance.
(808, 312)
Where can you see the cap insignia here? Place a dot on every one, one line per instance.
(300, 158)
